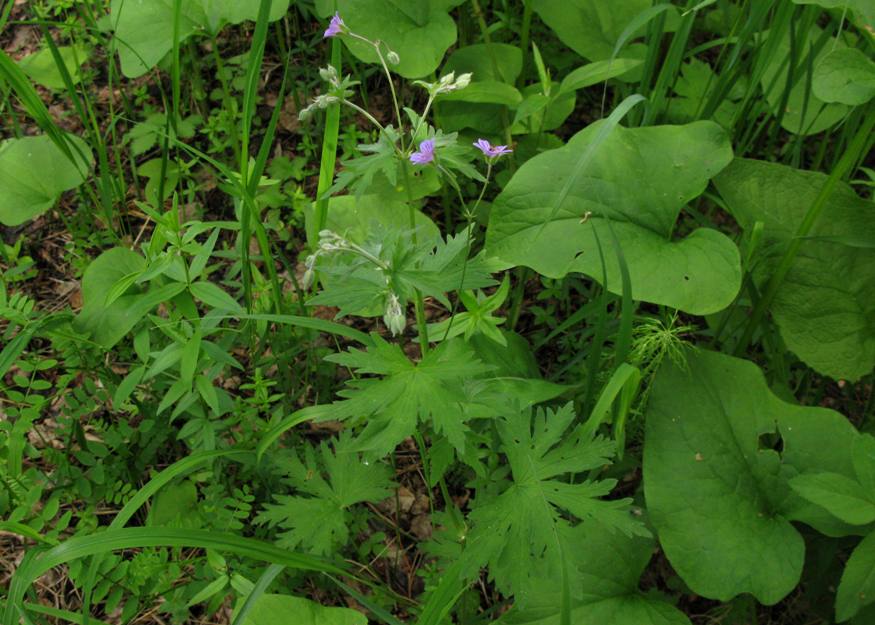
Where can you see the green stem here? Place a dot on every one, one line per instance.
(329, 150)
(419, 306)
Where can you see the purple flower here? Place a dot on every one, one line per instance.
(425, 154)
(335, 27)
(491, 151)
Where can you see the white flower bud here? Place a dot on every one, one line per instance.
(308, 279)
(394, 317)
(328, 74)
(393, 57)
(463, 81)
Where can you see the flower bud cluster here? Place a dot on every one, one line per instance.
(338, 89)
(448, 83)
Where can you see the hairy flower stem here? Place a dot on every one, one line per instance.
(369, 117)
(419, 306)
(469, 230)
(386, 71)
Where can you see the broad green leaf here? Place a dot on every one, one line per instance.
(26, 191)
(528, 521)
(486, 92)
(281, 609)
(107, 325)
(605, 567)
(863, 9)
(590, 27)
(804, 113)
(41, 67)
(857, 587)
(144, 28)
(843, 497)
(548, 117)
(218, 12)
(845, 75)
(489, 63)
(825, 308)
(499, 62)
(717, 495)
(635, 184)
(419, 32)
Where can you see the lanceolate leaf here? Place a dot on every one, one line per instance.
(717, 493)
(825, 308)
(551, 217)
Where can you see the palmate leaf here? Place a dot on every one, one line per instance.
(522, 532)
(431, 390)
(604, 570)
(316, 518)
(435, 267)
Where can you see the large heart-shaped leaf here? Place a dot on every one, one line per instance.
(825, 307)
(41, 67)
(845, 75)
(590, 27)
(802, 113)
(144, 30)
(26, 191)
(604, 569)
(863, 9)
(717, 493)
(634, 186)
(419, 32)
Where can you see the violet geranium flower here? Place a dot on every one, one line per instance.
(491, 151)
(425, 154)
(335, 27)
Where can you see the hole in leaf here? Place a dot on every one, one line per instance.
(687, 278)
(772, 441)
